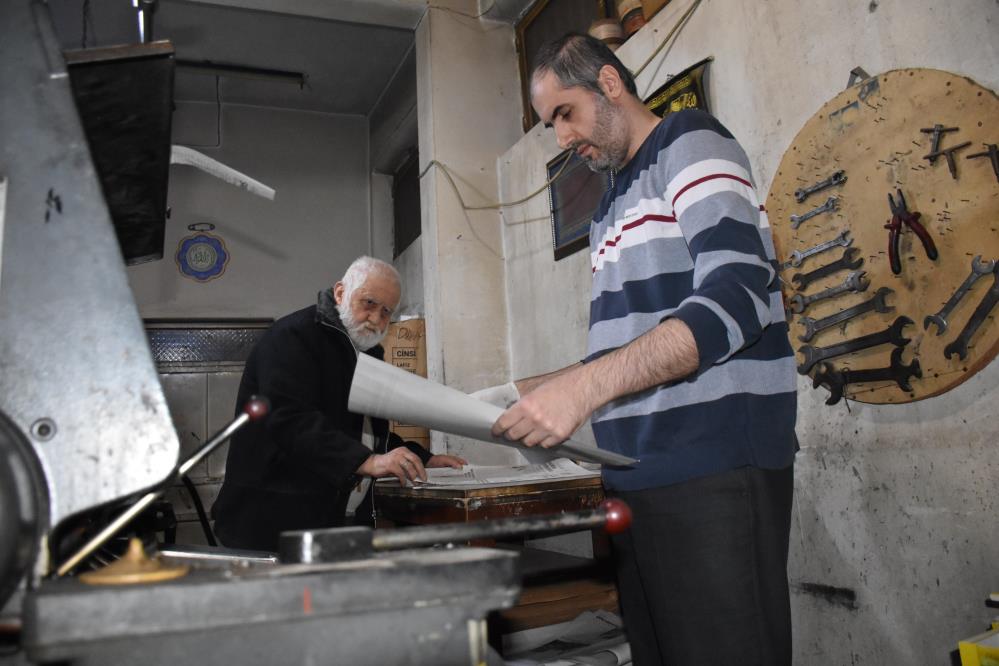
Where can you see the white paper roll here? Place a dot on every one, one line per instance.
(384, 391)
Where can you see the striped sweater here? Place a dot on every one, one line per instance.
(682, 234)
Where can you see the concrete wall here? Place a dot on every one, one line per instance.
(282, 251)
(894, 503)
(467, 101)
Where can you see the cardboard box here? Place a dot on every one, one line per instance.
(406, 347)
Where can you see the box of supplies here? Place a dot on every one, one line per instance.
(406, 347)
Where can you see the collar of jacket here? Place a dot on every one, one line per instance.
(327, 315)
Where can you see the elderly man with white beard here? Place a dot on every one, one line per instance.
(309, 465)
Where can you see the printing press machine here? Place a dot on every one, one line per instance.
(87, 442)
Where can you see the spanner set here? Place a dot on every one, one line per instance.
(821, 207)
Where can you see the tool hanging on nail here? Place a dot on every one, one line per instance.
(948, 153)
(960, 345)
(876, 303)
(978, 269)
(855, 281)
(831, 205)
(900, 215)
(838, 178)
(891, 335)
(991, 152)
(937, 130)
(849, 261)
(799, 256)
(837, 380)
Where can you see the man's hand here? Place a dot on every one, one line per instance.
(548, 415)
(446, 461)
(401, 463)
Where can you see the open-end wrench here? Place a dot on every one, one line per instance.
(978, 269)
(855, 281)
(799, 256)
(876, 302)
(892, 334)
(802, 193)
(831, 204)
(837, 380)
(960, 345)
(847, 262)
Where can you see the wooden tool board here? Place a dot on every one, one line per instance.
(872, 131)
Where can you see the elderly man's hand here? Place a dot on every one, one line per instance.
(401, 463)
(548, 415)
(441, 460)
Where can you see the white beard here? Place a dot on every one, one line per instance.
(363, 337)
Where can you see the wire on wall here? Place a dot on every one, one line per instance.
(218, 119)
(504, 204)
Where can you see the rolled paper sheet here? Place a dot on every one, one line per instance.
(384, 391)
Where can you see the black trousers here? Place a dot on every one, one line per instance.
(702, 572)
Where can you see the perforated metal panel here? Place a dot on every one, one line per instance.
(183, 347)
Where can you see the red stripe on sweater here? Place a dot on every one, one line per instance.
(704, 179)
(631, 225)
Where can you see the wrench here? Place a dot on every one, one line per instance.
(892, 334)
(799, 256)
(836, 380)
(978, 269)
(876, 302)
(838, 178)
(960, 345)
(831, 204)
(855, 281)
(846, 262)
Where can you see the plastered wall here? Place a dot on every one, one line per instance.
(894, 542)
(282, 251)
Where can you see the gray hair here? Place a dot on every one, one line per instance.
(362, 268)
(576, 59)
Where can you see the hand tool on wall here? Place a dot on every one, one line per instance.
(991, 152)
(837, 380)
(802, 193)
(960, 345)
(900, 215)
(799, 256)
(876, 302)
(831, 204)
(948, 153)
(978, 269)
(892, 335)
(847, 262)
(937, 130)
(855, 281)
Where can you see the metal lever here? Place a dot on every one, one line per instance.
(255, 409)
(327, 545)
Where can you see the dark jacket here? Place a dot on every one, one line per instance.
(295, 469)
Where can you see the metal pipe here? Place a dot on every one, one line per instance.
(256, 408)
(613, 515)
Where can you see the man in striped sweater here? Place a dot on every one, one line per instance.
(688, 368)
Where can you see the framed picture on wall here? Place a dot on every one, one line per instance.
(572, 199)
(683, 91)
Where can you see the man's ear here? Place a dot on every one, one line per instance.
(610, 82)
(338, 289)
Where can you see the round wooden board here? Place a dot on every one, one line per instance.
(871, 131)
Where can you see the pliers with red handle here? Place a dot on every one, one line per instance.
(900, 214)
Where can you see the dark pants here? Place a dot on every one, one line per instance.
(703, 570)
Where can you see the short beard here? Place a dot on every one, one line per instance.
(362, 337)
(610, 138)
